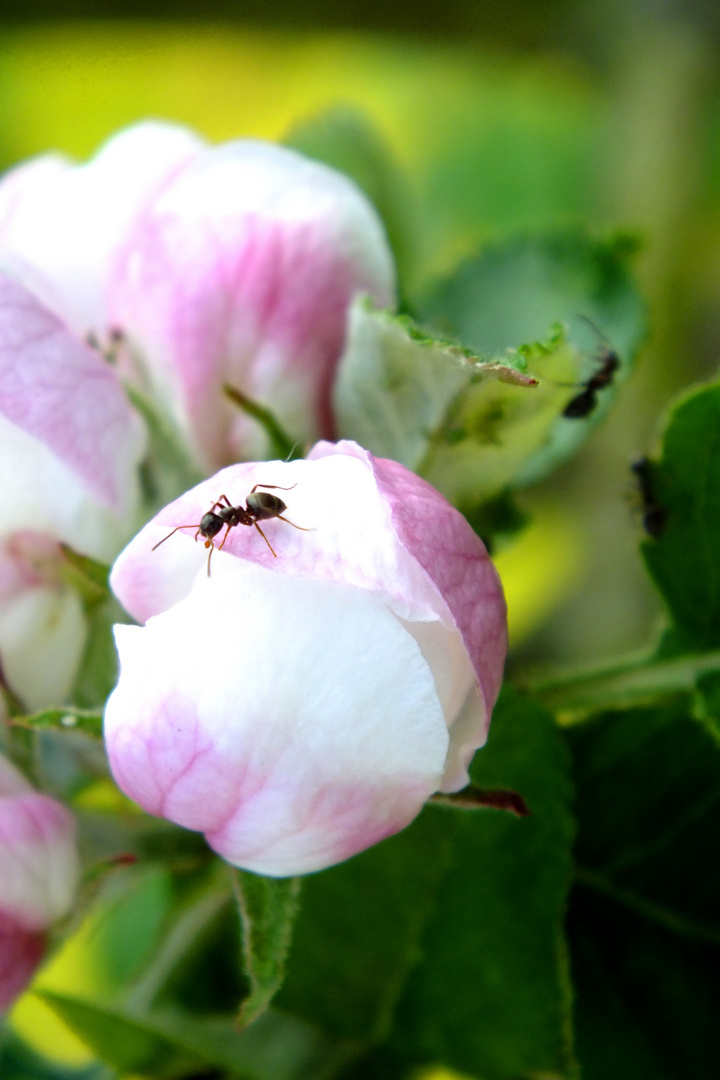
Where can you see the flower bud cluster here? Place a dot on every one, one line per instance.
(38, 876)
(180, 267)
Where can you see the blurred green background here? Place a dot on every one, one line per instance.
(502, 117)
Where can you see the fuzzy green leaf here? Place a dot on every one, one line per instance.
(268, 907)
(472, 426)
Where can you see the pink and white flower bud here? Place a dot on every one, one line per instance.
(70, 445)
(298, 708)
(39, 871)
(230, 264)
(242, 271)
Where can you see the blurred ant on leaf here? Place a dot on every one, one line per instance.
(259, 506)
(583, 403)
(654, 515)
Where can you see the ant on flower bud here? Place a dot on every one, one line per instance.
(583, 403)
(259, 506)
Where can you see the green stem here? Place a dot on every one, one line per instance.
(191, 923)
(640, 679)
(281, 445)
(655, 913)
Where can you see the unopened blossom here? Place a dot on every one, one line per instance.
(38, 876)
(198, 266)
(70, 445)
(299, 704)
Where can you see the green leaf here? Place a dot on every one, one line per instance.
(168, 469)
(87, 576)
(98, 669)
(358, 932)
(514, 293)
(492, 996)
(19, 1062)
(130, 1045)
(168, 1045)
(645, 913)
(515, 290)
(683, 558)
(275, 1047)
(346, 139)
(444, 943)
(472, 426)
(70, 719)
(268, 907)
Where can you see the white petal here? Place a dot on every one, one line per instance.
(70, 222)
(295, 722)
(39, 492)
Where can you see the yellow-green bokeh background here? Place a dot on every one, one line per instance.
(492, 139)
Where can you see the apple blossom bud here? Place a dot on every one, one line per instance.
(230, 264)
(242, 271)
(39, 871)
(303, 700)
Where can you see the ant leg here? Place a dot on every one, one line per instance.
(302, 528)
(264, 536)
(219, 502)
(277, 487)
(193, 526)
(225, 537)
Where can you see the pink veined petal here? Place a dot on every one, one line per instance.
(213, 725)
(242, 272)
(456, 561)
(64, 395)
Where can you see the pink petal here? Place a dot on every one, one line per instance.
(242, 271)
(61, 225)
(293, 721)
(63, 394)
(456, 561)
(38, 858)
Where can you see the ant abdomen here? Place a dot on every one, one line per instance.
(262, 505)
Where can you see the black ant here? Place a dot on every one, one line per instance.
(583, 403)
(258, 507)
(654, 515)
